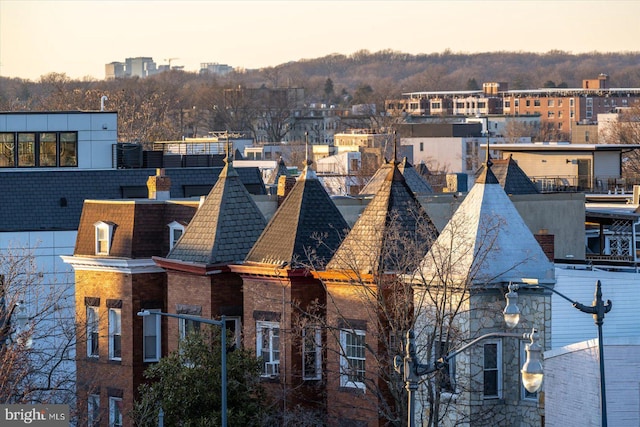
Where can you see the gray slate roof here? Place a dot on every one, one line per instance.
(393, 233)
(417, 183)
(511, 177)
(486, 240)
(279, 171)
(53, 199)
(307, 228)
(224, 228)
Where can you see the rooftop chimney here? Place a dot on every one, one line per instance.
(159, 186)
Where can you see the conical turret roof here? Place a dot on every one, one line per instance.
(224, 228)
(304, 231)
(511, 177)
(389, 232)
(280, 170)
(416, 183)
(486, 240)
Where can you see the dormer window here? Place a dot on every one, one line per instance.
(176, 230)
(104, 233)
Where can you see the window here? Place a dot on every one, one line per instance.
(528, 103)
(7, 150)
(104, 232)
(516, 102)
(39, 149)
(187, 327)
(446, 378)
(26, 149)
(352, 358)
(92, 332)
(233, 325)
(268, 347)
(175, 232)
(525, 395)
(492, 369)
(151, 337)
(507, 104)
(311, 353)
(93, 410)
(536, 102)
(115, 334)
(549, 102)
(422, 146)
(115, 412)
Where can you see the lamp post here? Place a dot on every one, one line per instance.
(411, 368)
(598, 310)
(223, 348)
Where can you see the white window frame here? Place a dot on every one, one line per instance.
(115, 332)
(103, 234)
(312, 348)
(497, 368)
(93, 410)
(271, 354)
(234, 323)
(151, 328)
(93, 331)
(174, 228)
(186, 326)
(524, 394)
(115, 412)
(346, 358)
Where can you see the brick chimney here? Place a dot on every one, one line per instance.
(546, 242)
(159, 186)
(285, 184)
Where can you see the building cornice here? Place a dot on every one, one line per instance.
(113, 265)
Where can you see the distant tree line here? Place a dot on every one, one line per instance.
(176, 103)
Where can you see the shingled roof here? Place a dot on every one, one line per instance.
(280, 170)
(393, 224)
(511, 177)
(224, 228)
(53, 199)
(486, 240)
(306, 229)
(414, 180)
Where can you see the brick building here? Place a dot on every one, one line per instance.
(115, 278)
(283, 303)
(369, 307)
(199, 279)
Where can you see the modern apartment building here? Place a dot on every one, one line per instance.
(560, 109)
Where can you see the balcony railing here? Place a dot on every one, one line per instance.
(579, 183)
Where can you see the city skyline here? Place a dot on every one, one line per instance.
(79, 37)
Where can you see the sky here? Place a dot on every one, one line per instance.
(79, 37)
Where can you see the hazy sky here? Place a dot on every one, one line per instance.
(79, 37)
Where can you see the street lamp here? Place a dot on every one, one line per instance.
(223, 348)
(411, 368)
(598, 310)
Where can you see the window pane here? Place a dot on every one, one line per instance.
(48, 149)
(26, 149)
(7, 150)
(68, 149)
(490, 383)
(490, 356)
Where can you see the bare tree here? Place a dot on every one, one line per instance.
(625, 130)
(37, 360)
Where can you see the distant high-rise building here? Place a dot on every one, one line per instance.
(215, 68)
(114, 70)
(140, 66)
